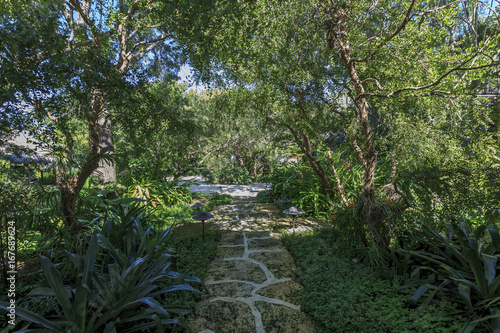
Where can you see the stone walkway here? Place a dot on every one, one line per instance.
(251, 284)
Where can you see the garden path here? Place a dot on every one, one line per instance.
(251, 284)
(199, 184)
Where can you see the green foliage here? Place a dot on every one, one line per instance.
(216, 200)
(159, 193)
(230, 175)
(301, 185)
(22, 211)
(167, 216)
(231, 127)
(155, 132)
(265, 197)
(344, 295)
(191, 259)
(464, 261)
(119, 293)
(442, 194)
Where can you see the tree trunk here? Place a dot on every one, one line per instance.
(237, 153)
(254, 169)
(107, 168)
(68, 200)
(374, 216)
(305, 147)
(340, 188)
(70, 188)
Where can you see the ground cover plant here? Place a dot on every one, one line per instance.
(344, 294)
(191, 259)
(216, 200)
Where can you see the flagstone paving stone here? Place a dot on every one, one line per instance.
(233, 251)
(252, 285)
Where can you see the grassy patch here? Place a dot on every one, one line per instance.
(197, 196)
(343, 295)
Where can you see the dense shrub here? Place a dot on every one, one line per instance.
(230, 175)
(265, 197)
(300, 184)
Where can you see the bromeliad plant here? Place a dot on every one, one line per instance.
(467, 261)
(117, 284)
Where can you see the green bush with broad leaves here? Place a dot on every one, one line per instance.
(120, 276)
(463, 262)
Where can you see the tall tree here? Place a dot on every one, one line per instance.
(64, 59)
(367, 38)
(156, 132)
(418, 53)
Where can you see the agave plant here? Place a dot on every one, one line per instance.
(467, 261)
(116, 293)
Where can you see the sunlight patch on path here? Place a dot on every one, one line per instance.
(199, 184)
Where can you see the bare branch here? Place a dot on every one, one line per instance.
(491, 9)
(134, 9)
(152, 44)
(144, 42)
(228, 143)
(72, 28)
(84, 16)
(76, 6)
(377, 35)
(44, 110)
(133, 33)
(87, 42)
(402, 26)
